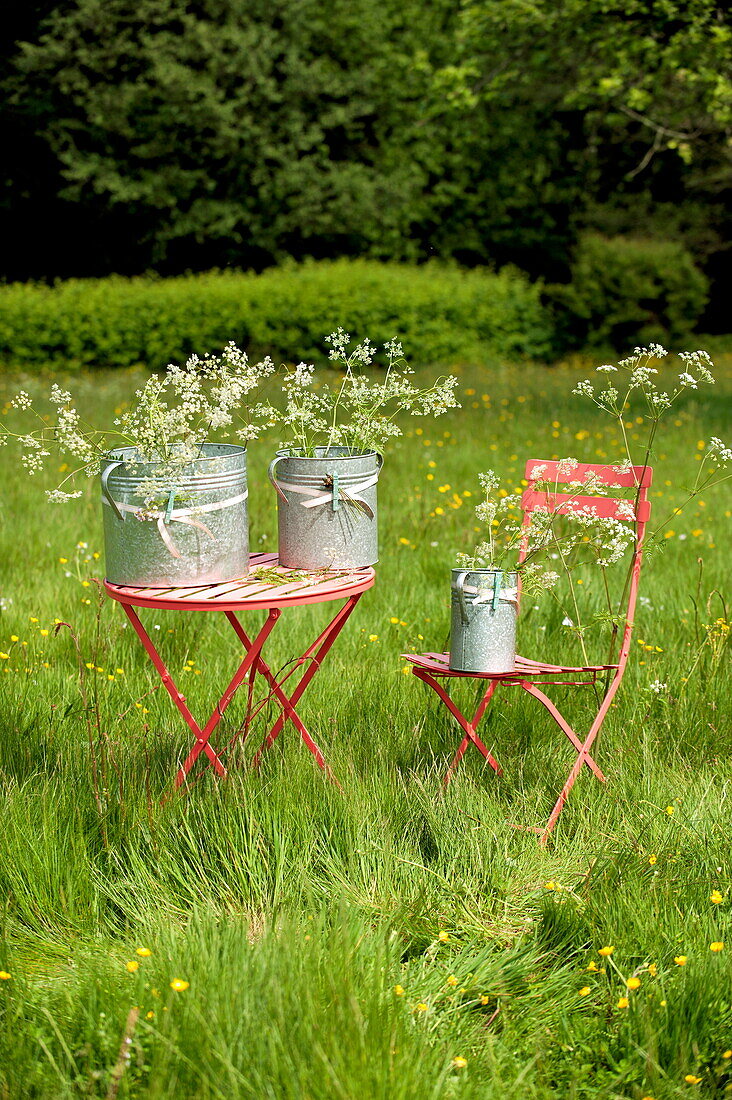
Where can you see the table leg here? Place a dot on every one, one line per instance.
(314, 654)
(203, 736)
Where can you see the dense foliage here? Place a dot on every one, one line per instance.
(440, 314)
(192, 135)
(628, 290)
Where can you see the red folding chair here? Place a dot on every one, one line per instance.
(532, 675)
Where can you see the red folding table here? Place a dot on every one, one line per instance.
(268, 587)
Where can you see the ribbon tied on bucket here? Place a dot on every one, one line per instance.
(493, 594)
(169, 514)
(333, 494)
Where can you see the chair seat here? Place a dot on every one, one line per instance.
(437, 664)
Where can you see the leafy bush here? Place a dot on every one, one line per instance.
(440, 314)
(629, 290)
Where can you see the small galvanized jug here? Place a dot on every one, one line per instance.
(483, 620)
(326, 507)
(197, 532)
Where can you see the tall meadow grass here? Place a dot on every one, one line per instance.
(394, 939)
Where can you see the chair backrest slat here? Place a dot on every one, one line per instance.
(566, 503)
(554, 471)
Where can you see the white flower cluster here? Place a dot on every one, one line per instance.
(566, 467)
(360, 411)
(720, 455)
(58, 496)
(610, 538)
(641, 375)
(657, 687)
(653, 351)
(701, 364)
(175, 413)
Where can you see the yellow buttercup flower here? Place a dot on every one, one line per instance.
(452, 980)
(4, 976)
(718, 945)
(460, 1062)
(443, 937)
(179, 986)
(144, 952)
(132, 966)
(585, 990)
(606, 951)
(623, 1002)
(633, 983)
(691, 1079)
(399, 990)
(421, 1007)
(716, 897)
(680, 960)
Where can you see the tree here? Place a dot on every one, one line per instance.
(643, 85)
(257, 128)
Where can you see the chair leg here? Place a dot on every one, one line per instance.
(468, 728)
(583, 757)
(565, 728)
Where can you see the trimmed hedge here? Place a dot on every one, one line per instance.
(629, 290)
(440, 313)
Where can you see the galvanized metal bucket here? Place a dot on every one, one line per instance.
(195, 532)
(326, 507)
(483, 620)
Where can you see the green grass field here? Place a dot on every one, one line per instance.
(390, 941)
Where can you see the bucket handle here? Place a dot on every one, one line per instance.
(460, 589)
(271, 475)
(105, 489)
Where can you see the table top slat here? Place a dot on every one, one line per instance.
(296, 587)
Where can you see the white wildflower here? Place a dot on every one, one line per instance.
(566, 467)
(718, 452)
(58, 496)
